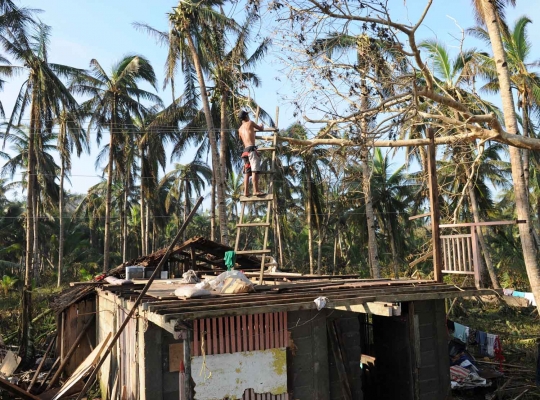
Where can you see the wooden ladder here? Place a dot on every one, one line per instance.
(268, 199)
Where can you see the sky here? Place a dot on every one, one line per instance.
(102, 29)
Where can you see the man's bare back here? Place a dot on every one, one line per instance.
(247, 132)
(250, 155)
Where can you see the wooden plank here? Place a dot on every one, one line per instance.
(375, 308)
(245, 333)
(488, 223)
(275, 333)
(204, 340)
(162, 320)
(268, 197)
(227, 335)
(10, 363)
(267, 331)
(434, 207)
(270, 330)
(251, 224)
(14, 389)
(215, 346)
(176, 355)
(239, 334)
(256, 322)
(233, 335)
(83, 369)
(268, 251)
(209, 348)
(196, 346)
(221, 338)
(251, 299)
(286, 329)
(250, 332)
(298, 299)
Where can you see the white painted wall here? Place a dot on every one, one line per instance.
(229, 375)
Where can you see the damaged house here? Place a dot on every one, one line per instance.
(293, 337)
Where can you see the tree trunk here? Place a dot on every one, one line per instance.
(308, 218)
(319, 254)
(393, 249)
(106, 250)
(147, 229)
(213, 209)
(27, 290)
(366, 186)
(223, 137)
(36, 236)
(334, 263)
(525, 152)
(124, 220)
(220, 180)
(520, 190)
(61, 223)
(485, 250)
(277, 233)
(142, 214)
(370, 216)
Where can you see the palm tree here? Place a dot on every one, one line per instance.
(190, 20)
(46, 96)
(305, 167)
(185, 181)
(391, 196)
(491, 17)
(71, 136)
(116, 99)
(526, 82)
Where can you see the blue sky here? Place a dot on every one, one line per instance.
(102, 29)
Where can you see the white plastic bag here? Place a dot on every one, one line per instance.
(321, 302)
(189, 291)
(218, 282)
(190, 277)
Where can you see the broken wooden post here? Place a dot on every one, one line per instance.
(38, 370)
(434, 205)
(156, 272)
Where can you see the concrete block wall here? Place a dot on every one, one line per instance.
(308, 355)
(348, 331)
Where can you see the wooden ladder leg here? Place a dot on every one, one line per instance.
(240, 221)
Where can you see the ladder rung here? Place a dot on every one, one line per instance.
(254, 224)
(267, 197)
(254, 251)
(266, 149)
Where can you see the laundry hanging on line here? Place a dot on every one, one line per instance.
(526, 295)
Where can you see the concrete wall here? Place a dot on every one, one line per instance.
(348, 332)
(430, 339)
(308, 355)
(230, 375)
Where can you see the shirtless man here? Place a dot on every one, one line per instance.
(252, 160)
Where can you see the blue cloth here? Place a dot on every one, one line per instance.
(461, 332)
(518, 294)
(481, 339)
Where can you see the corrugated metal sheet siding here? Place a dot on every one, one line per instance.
(241, 333)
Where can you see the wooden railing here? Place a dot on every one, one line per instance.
(461, 253)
